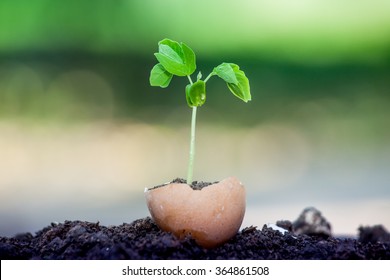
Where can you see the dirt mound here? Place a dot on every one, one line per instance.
(142, 239)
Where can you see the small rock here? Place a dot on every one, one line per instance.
(373, 234)
(24, 236)
(287, 225)
(249, 229)
(311, 222)
(277, 228)
(75, 231)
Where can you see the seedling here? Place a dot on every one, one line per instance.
(178, 59)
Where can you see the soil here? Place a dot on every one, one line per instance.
(308, 237)
(195, 185)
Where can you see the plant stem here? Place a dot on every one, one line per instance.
(189, 78)
(192, 147)
(190, 170)
(209, 76)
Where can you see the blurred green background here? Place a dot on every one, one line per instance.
(82, 133)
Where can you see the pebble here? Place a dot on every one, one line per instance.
(311, 222)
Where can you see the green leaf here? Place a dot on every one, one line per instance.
(196, 94)
(242, 88)
(225, 72)
(171, 50)
(199, 76)
(189, 58)
(177, 58)
(159, 76)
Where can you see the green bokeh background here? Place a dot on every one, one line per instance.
(292, 51)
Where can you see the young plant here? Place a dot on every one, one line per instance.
(178, 59)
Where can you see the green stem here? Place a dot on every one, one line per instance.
(192, 147)
(190, 170)
(191, 160)
(209, 76)
(189, 78)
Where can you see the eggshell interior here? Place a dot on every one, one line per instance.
(211, 215)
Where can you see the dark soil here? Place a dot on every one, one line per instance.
(142, 239)
(196, 185)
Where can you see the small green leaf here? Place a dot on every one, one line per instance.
(242, 88)
(225, 72)
(171, 66)
(177, 58)
(171, 49)
(196, 94)
(188, 98)
(189, 58)
(199, 76)
(159, 76)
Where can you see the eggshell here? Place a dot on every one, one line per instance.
(211, 215)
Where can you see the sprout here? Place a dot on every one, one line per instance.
(178, 59)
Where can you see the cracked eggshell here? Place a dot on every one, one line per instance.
(211, 215)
